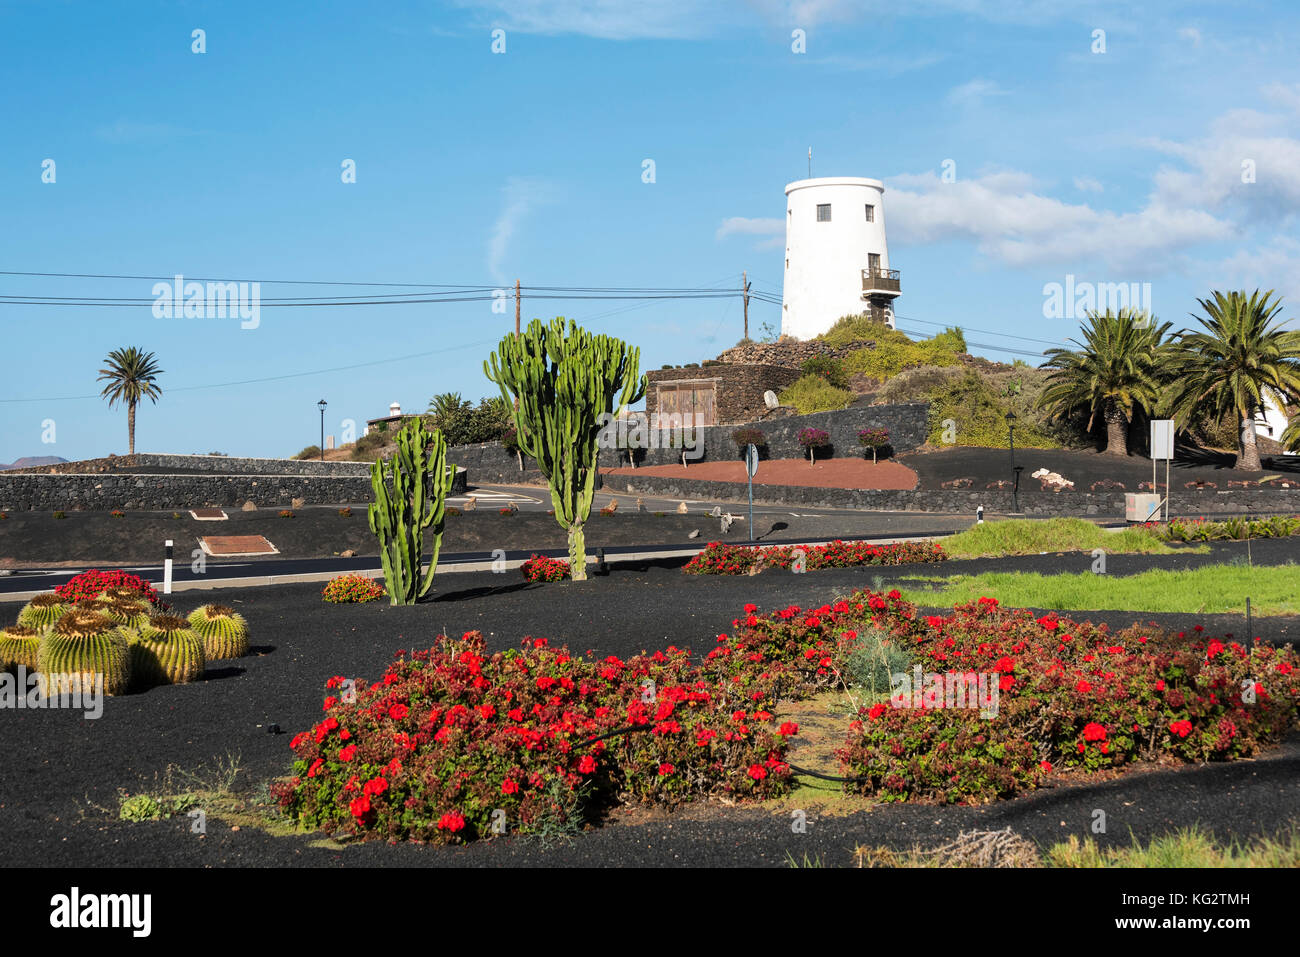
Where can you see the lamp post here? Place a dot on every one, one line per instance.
(1015, 469)
(321, 405)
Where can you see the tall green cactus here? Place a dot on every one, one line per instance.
(560, 379)
(410, 494)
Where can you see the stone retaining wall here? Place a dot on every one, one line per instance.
(223, 464)
(36, 492)
(907, 422)
(1033, 503)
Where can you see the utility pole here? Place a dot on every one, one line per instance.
(516, 307)
(744, 283)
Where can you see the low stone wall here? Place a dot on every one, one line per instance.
(222, 464)
(20, 492)
(36, 492)
(964, 501)
(907, 422)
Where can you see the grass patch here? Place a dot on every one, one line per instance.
(211, 789)
(1212, 589)
(812, 393)
(1188, 848)
(1005, 848)
(1027, 537)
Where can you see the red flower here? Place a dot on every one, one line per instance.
(451, 821)
(348, 753)
(787, 728)
(1181, 728)
(398, 711)
(509, 786)
(876, 711)
(375, 786)
(666, 769)
(1093, 731)
(587, 765)
(757, 772)
(360, 806)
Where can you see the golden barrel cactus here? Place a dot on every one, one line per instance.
(84, 644)
(164, 650)
(223, 631)
(18, 646)
(43, 611)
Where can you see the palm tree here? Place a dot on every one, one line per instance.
(446, 403)
(131, 376)
(1240, 359)
(1117, 370)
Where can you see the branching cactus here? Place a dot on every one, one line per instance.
(563, 383)
(410, 496)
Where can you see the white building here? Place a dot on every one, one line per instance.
(836, 260)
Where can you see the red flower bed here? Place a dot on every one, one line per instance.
(452, 741)
(352, 588)
(1070, 695)
(91, 583)
(454, 744)
(720, 559)
(539, 568)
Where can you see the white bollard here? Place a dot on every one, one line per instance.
(979, 515)
(167, 570)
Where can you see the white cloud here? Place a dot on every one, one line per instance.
(974, 92)
(1191, 35)
(693, 19)
(1011, 223)
(1203, 195)
(521, 195)
(773, 230)
(1275, 265)
(1240, 145)
(603, 19)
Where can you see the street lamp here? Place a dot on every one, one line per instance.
(321, 404)
(1015, 469)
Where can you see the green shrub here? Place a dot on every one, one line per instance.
(980, 416)
(310, 452)
(746, 437)
(875, 660)
(895, 351)
(829, 368)
(364, 448)
(812, 393)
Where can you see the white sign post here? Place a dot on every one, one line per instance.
(1162, 447)
(751, 466)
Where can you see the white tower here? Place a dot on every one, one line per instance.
(836, 261)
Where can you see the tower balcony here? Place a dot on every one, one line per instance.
(881, 282)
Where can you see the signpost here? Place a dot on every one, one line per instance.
(1162, 447)
(751, 466)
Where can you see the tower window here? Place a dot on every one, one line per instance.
(871, 213)
(823, 212)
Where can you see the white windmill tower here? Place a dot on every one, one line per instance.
(836, 260)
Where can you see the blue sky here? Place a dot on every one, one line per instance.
(476, 168)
